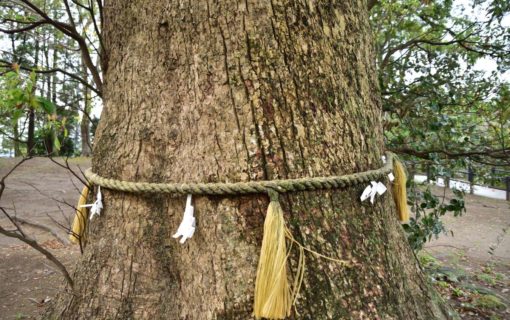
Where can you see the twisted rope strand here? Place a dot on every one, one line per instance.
(240, 188)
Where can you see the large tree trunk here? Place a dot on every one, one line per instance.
(236, 91)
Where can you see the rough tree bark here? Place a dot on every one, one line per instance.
(203, 91)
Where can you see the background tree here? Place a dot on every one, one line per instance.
(61, 54)
(18, 100)
(442, 113)
(438, 106)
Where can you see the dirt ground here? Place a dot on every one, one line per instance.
(464, 268)
(472, 266)
(41, 192)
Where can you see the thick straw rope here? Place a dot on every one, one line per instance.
(239, 188)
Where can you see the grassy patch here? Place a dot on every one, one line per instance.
(487, 278)
(428, 261)
(489, 302)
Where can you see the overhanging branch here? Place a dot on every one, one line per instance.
(73, 76)
(70, 31)
(498, 154)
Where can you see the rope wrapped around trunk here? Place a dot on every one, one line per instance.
(274, 296)
(241, 188)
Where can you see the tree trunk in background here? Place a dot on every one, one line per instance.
(46, 58)
(54, 78)
(86, 150)
(236, 91)
(16, 140)
(31, 111)
(50, 137)
(31, 131)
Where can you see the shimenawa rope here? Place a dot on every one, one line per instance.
(241, 188)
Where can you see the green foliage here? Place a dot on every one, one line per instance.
(439, 108)
(62, 85)
(427, 261)
(45, 142)
(428, 210)
(46, 105)
(437, 105)
(15, 95)
(20, 316)
(18, 99)
(458, 292)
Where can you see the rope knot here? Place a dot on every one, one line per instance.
(273, 194)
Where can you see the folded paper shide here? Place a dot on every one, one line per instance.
(274, 293)
(78, 232)
(188, 224)
(372, 190)
(97, 206)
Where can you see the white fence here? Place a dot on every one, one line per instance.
(462, 185)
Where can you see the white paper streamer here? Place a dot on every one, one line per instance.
(188, 224)
(97, 206)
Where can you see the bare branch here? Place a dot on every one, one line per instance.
(96, 28)
(500, 154)
(69, 14)
(6, 135)
(69, 229)
(24, 29)
(68, 167)
(414, 42)
(64, 27)
(45, 252)
(100, 9)
(14, 222)
(70, 31)
(2, 181)
(50, 197)
(42, 227)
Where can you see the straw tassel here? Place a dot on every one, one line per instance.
(273, 298)
(399, 190)
(80, 219)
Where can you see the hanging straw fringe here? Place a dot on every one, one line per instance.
(78, 233)
(273, 298)
(399, 191)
